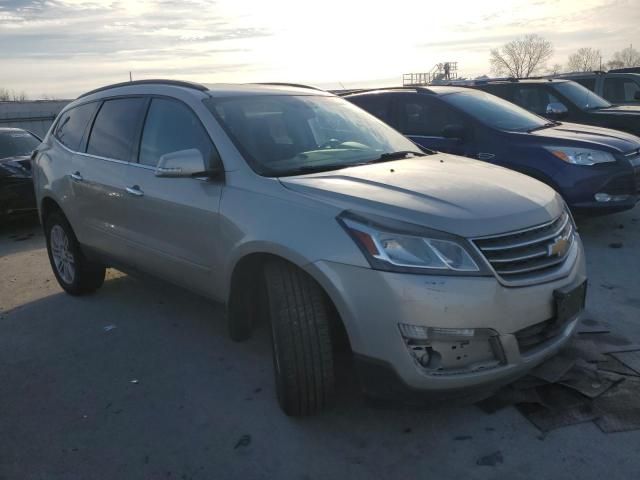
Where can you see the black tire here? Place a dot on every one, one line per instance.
(87, 276)
(302, 350)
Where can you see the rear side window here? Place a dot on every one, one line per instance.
(170, 127)
(589, 83)
(620, 89)
(116, 128)
(375, 104)
(73, 124)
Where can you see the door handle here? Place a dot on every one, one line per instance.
(76, 176)
(135, 191)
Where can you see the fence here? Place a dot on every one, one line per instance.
(35, 116)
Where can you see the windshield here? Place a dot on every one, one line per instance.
(495, 112)
(283, 134)
(580, 96)
(17, 144)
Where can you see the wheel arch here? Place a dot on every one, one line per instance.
(245, 273)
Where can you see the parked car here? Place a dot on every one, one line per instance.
(617, 88)
(446, 275)
(16, 188)
(564, 100)
(594, 169)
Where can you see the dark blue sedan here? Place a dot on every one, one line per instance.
(593, 168)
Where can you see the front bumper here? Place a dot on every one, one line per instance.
(17, 196)
(372, 304)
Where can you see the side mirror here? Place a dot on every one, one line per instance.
(556, 110)
(454, 132)
(636, 96)
(183, 163)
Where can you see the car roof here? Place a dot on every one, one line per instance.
(214, 90)
(429, 90)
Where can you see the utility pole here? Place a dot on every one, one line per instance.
(130, 77)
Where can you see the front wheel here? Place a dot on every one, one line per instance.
(75, 274)
(302, 350)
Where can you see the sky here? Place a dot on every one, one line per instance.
(62, 48)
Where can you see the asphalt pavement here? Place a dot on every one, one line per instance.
(141, 381)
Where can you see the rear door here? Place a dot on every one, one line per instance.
(100, 175)
(174, 226)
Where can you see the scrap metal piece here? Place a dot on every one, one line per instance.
(630, 359)
(561, 407)
(589, 383)
(554, 369)
(631, 347)
(585, 348)
(614, 365)
(508, 396)
(620, 410)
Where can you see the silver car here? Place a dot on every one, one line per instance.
(446, 276)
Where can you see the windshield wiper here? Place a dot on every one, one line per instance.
(386, 157)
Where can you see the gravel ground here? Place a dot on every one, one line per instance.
(141, 380)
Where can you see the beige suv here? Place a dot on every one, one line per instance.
(301, 211)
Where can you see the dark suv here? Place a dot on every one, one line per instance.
(594, 169)
(564, 100)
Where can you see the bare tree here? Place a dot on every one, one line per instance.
(12, 96)
(556, 69)
(522, 57)
(585, 60)
(628, 57)
(611, 64)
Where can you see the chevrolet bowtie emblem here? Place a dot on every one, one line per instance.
(559, 247)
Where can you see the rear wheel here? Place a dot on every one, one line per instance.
(75, 274)
(302, 350)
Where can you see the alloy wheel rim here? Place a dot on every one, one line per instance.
(62, 257)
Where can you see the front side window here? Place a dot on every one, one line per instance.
(17, 144)
(495, 112)
(116, 128)
(426, 117)
(620, 90)
(73, 124)
(170, 127)
(534, 98)
(287, 134)
(581, 97)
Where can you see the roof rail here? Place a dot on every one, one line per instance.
(174, 83)
(563, 74)
(625, 70)
(417, 88)
(285, 84)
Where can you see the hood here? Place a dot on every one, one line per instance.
(589, 136)
(444, 192)
(620, 110)
(17, 167)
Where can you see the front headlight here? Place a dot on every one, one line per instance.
(581, 156)
(425, 251)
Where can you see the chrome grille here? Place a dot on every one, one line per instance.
(520, 255)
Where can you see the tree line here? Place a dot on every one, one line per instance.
(528, 56)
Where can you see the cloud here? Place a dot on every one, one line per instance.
(64, 47)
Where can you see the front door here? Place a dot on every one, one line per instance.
(174, 225)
